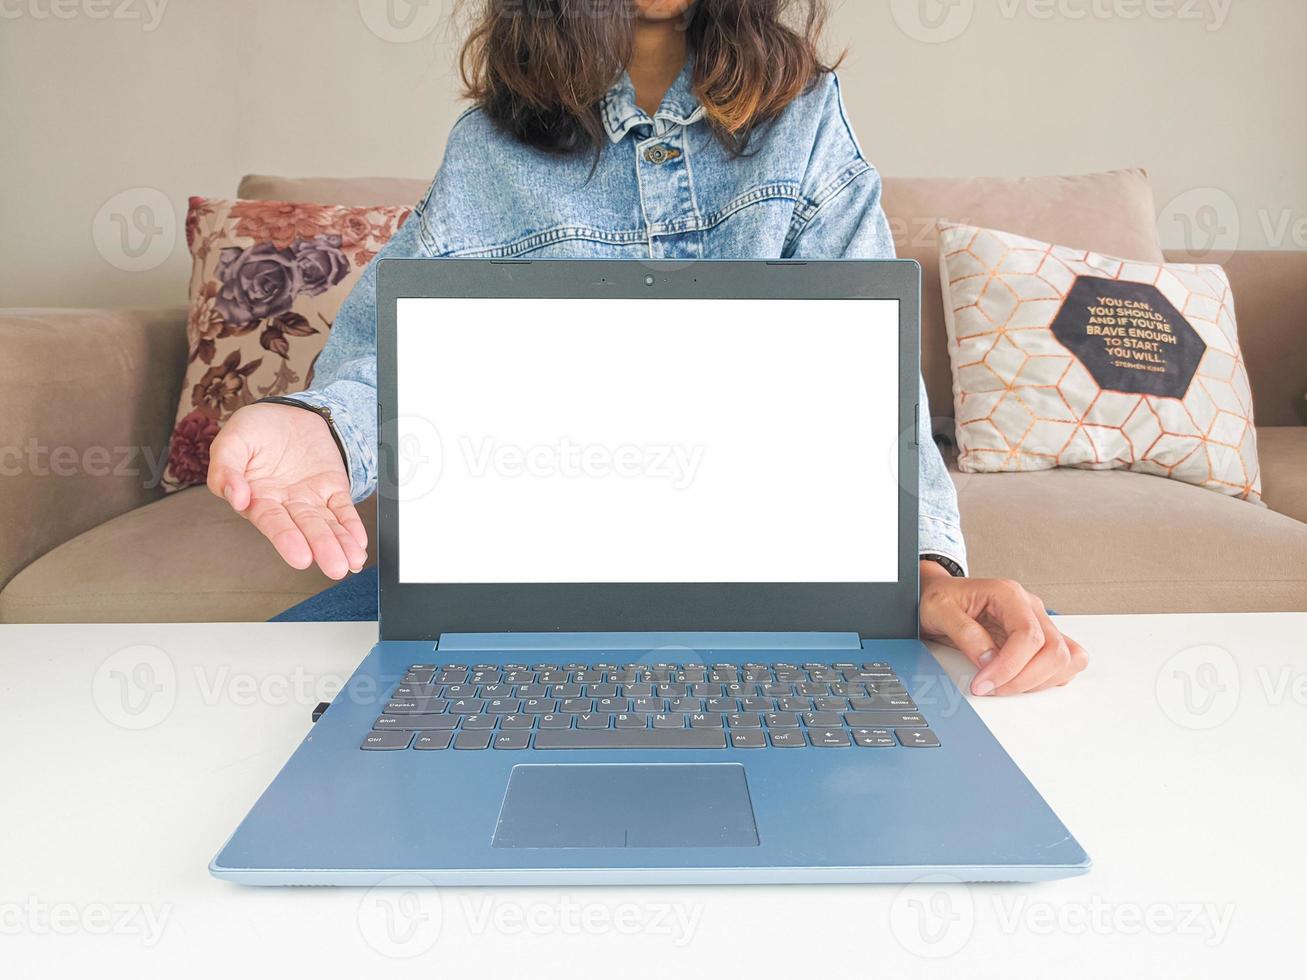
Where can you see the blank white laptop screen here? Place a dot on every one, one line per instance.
(647, 441)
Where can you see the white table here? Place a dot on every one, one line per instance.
(1177, 760)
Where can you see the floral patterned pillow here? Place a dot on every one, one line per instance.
(266, 283)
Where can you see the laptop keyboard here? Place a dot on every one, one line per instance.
(640, 706)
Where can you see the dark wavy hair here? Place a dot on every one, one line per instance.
(539, 69)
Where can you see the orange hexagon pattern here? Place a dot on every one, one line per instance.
(1025, 401)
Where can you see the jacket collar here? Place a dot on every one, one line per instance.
(621, 114)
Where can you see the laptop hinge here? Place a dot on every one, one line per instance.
(680, 644)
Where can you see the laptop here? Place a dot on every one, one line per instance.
(649, 584)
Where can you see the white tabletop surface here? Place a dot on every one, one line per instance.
(1177, 760)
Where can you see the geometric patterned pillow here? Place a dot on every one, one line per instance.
(1062, 357)
(267, 280)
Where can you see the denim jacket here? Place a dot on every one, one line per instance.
(662, 188)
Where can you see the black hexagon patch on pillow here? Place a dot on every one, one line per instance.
(1129, 337)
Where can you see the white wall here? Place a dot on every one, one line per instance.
(98, 97)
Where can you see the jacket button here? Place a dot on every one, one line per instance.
(657, 155)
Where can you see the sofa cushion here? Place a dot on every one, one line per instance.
(1070, 358)
(1112, 213)
(1284, 470)
(1121, 542)
(185, 558)
(267, 281)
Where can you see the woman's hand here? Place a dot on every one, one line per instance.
(278, 466)
(1003, 629)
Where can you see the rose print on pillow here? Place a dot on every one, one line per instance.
(257, 283)
(267, 279)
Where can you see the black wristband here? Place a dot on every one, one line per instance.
(320, 412)
(948, 564)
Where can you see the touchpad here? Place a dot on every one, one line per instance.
(627, 806)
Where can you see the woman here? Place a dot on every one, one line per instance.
(668, 129)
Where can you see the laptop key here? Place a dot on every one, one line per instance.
(884, 719)
(629, 720)
(748, 740)
(516, 722)
(555, 721)
(884, 702)
(466, 706)
(874, 738)
(472, 740)
(830, 738)
(432, 741)
(589, 720)
(781, 719)
(407, 723)
(386, 741)
(414, 706)
(710, 719)
(669, 721)
(823, 719)
(744, 720)
(478, 723)
(512, 740)
(788, 739)
(915, 738)
(830, 704)
(438, 723)
(617, 738)
(407, 692)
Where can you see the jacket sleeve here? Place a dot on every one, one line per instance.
(345, 376)
(844, 219)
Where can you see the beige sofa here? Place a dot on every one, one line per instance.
(85, 536)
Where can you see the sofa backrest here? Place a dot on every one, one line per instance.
(1113, 213)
